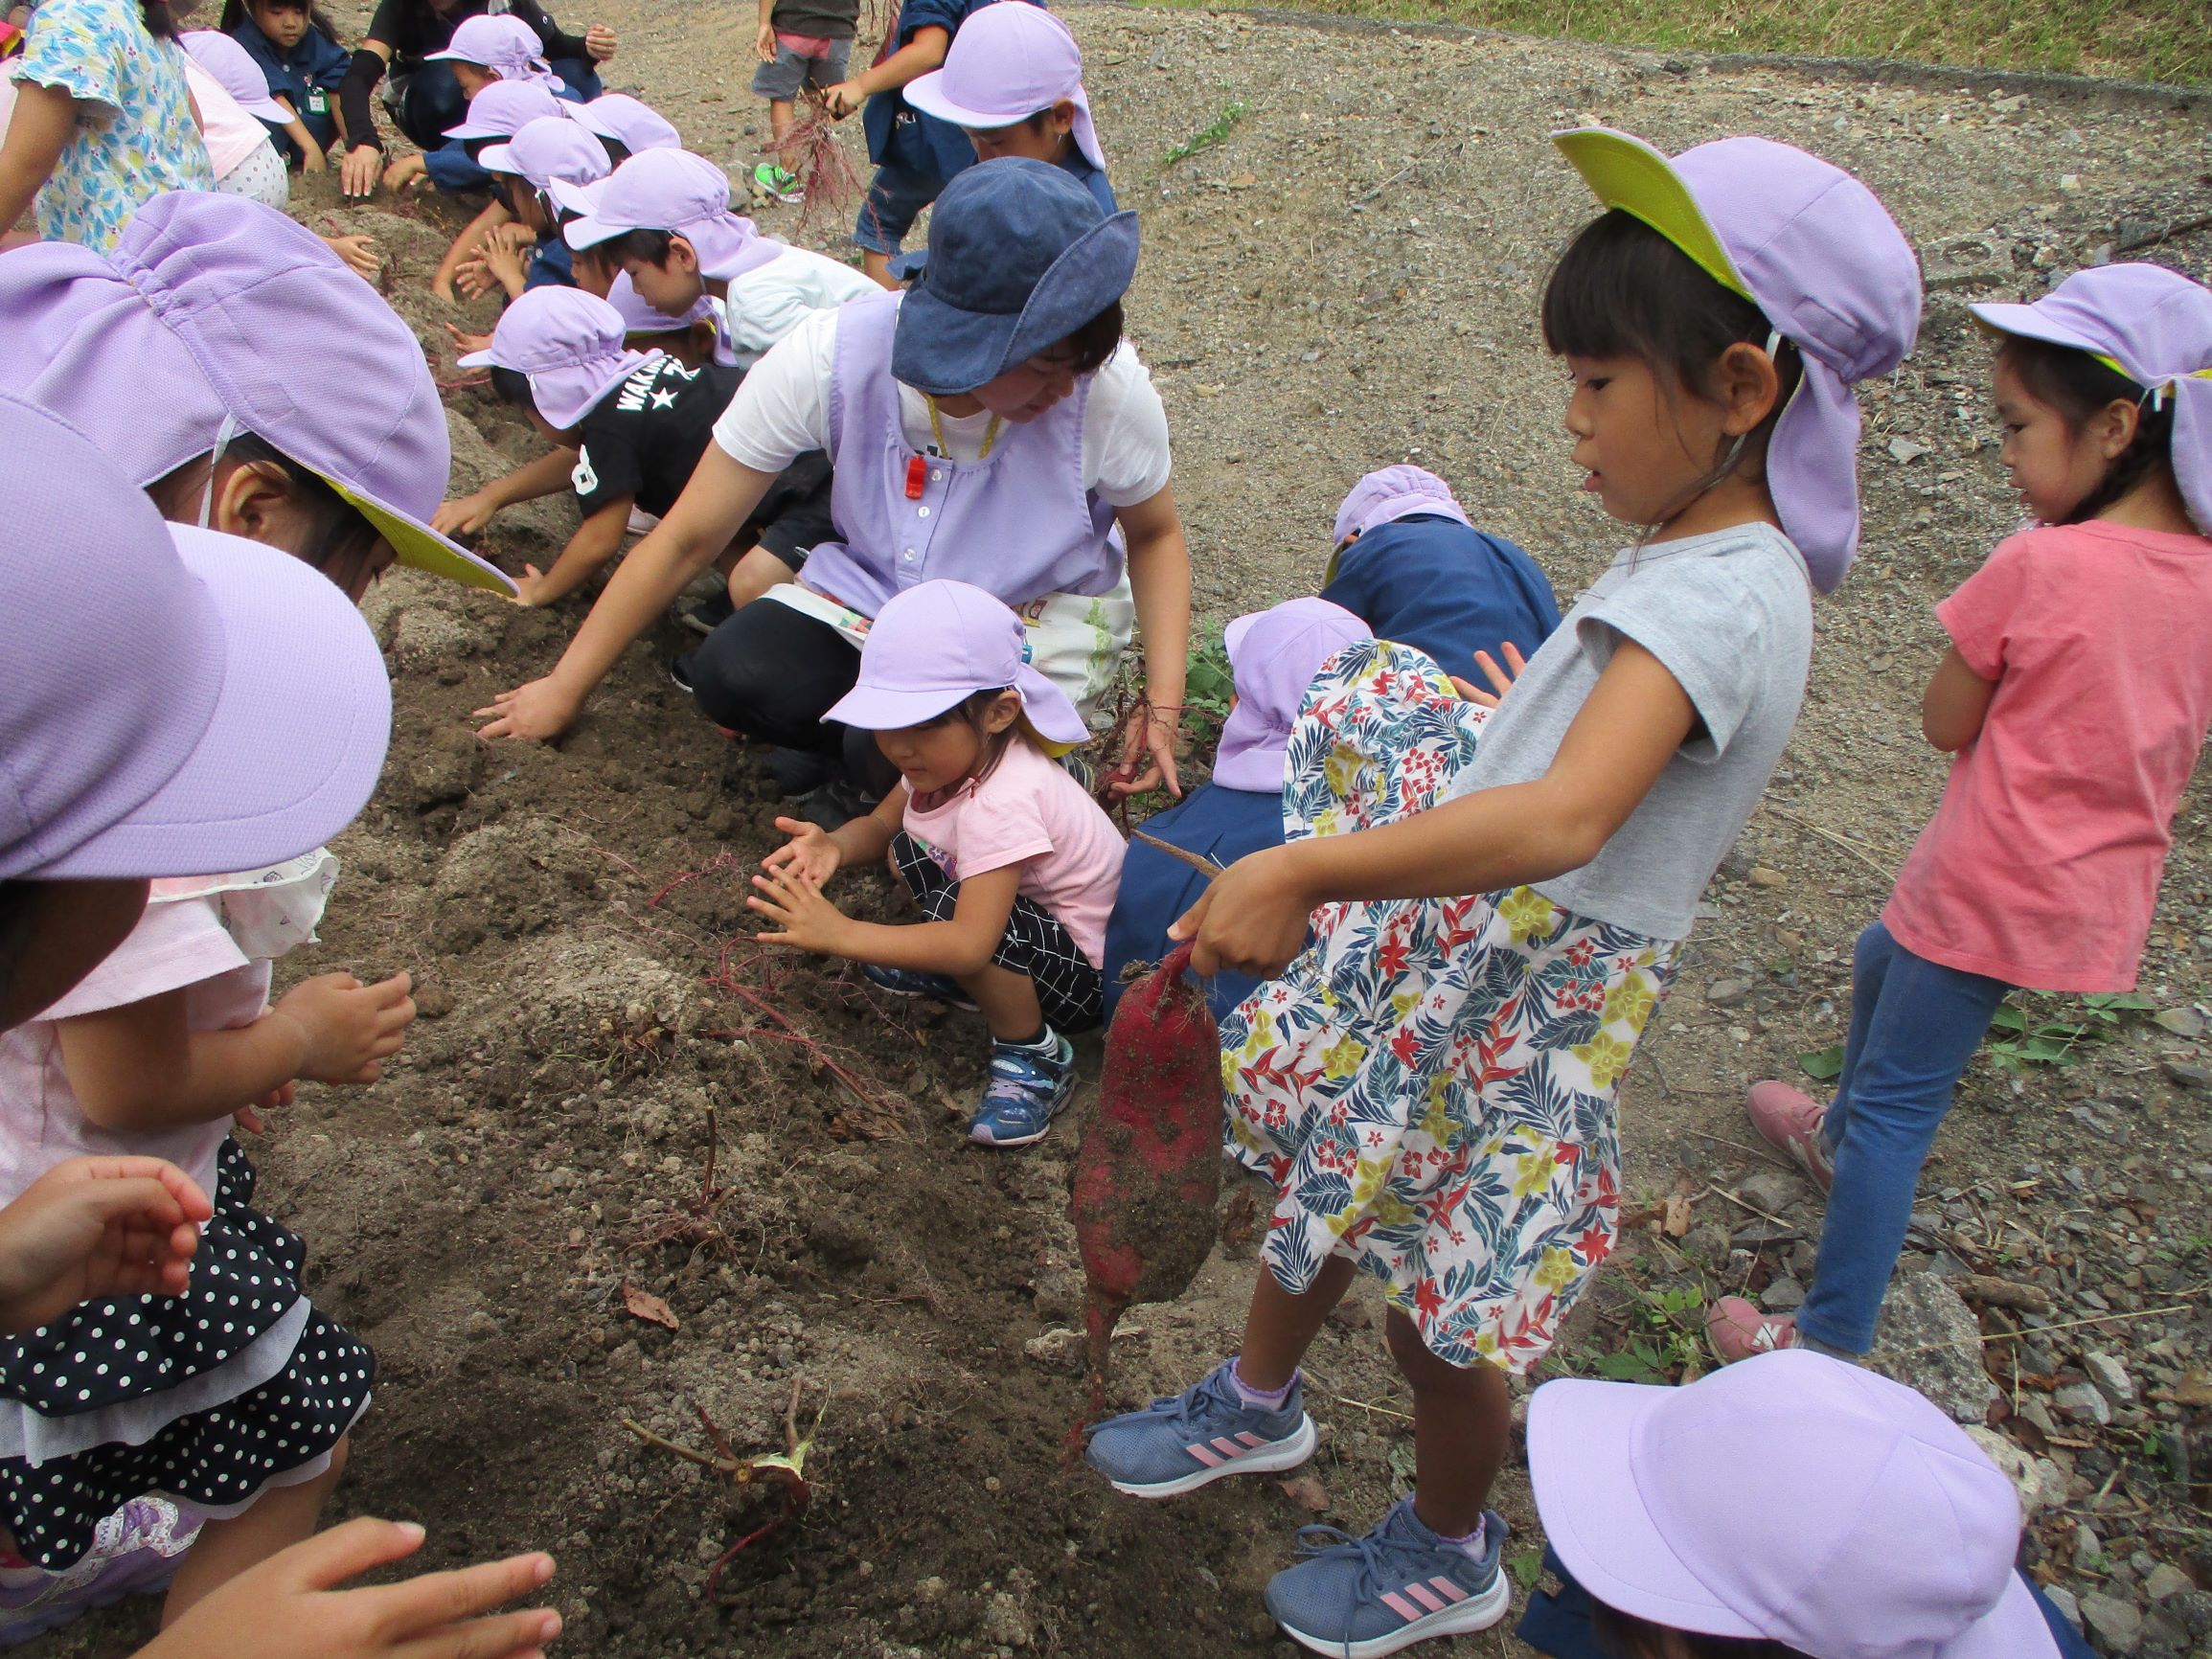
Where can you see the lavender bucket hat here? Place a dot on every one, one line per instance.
(1273, 657)
(676, 192)
(552, 147)
(1010, 60)
(505, 107)
(233, 66)
(938, 643)
(506, 45)
(1875, 1530)
(2151, 325)
(630, 122)
(1817, 253)
(1391, 493)
(189, 330)
(569, 343)
(179, 702)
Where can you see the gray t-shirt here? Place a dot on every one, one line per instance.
(1730, 616)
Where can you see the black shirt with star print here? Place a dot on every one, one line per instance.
(643, 439)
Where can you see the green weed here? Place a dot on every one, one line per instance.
(1206, 137)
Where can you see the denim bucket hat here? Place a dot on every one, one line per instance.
(1020, 257)
(1818, 254)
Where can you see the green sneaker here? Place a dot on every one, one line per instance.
(779, 183)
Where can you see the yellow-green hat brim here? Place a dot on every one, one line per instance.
(421, 548)
(1623, 172)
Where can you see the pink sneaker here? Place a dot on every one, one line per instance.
(1789, 1119)
(1737, 1329)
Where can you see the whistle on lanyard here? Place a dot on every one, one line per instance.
(916, 474)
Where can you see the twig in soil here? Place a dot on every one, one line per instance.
(788, 1469)
(1377, 1410)
(1721, 1192)
(1767, 1152)
(1832, 838)
(2041, 1329)
(466, 382)
(2176, 228)
(1409, 168)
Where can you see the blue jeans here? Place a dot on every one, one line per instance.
(1914, 1025)
(895, 197)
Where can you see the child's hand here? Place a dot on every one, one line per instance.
(540, 710)
(600, 41)
(357, 251)
(289, 1606)
(764, 43)
(348, 1029)
(1252, 920)
(843, 99)
(312, 159)
(408, 170)
(357, 173)
(501, 261)
(809, 920)
(465, 343)
(810, 855)
(465, 517)
(530, 587)
(1148, 754)
(92, 1228)
(1500, 679)
(474, 279)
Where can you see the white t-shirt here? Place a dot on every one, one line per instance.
(782, 411)
(768, 302)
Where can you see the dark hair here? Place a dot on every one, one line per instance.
(2078, 386)
(234, 11)
(512, 386)
(340, 539)
(649, 247)
(617, 151)
(1624, 1636)
(1090, 345)
(15, 914)
(971, 709)
(158, 22)
(1624, 290)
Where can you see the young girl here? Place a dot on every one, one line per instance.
(102, 121)
(1012, 861)
(303, 64)
(550, 150)
(2075, 696)
(161, 353)
(1878, 1528)
(1431, 1087)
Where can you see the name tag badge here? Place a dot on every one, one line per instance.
(318, 102)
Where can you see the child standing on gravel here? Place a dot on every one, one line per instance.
(802, 44)
(1014, 864)
(2075, 696)
(1431, 1086)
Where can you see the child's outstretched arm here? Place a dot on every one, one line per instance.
(466, 514)
(958, 948)
(1252, 920)
(910, 63)
(142, 1067)
(813, 855)
(597, 539)
(95, 1228)
(465, 244)
(311, 158)
(1956, 701)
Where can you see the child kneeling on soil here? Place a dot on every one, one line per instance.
(1876, 1527)
(2075, 697)
(548, 151)
(1499, 897)
(1014, 864)
(635, 423)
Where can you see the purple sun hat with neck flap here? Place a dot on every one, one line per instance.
(939, 643)
(552, 147)
(1010, 60)
(640, 316)
(569, 343)
(179, 702)
(1273, 657)
(1391, 493)
(505, 45)
(189, 331)
(1818, 254)
(2151, 325)
(505, 107)
(234, 67)
(673, 191)
(630, 122)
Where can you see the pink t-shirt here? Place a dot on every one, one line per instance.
(2040, 866)
(1029, 811)
(176, 944)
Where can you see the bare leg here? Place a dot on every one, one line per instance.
(755, 571)
(877, 267)
(1461, 1422)
(1280, 1326)
(1008, 1001)
(779, 120)
(280, 1517)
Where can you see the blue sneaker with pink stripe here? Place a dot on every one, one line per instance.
(1361, 1598)
(1182, 1443)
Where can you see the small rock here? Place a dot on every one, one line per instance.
(432, 1001)
(1308, 1493)
(479, 1325)
(1929, 1340)
(1727, 992)
(2166, 1580)
(2163, 1633)
(1351, 1314)
(2110, 1378)
(2070, 183)
(1782, 1296)
(2088, 1549)
(930, 1589)
(2186, 1075)
(2115, 1623)
(2062, 1599)
(2036, 1480)
(1060, 1349)
(2194, 1608)
(1763, 877)
(1905, 449)
(2182, 1022)
(2081, 1402)
(1772, 1191)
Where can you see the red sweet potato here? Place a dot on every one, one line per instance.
(1149, 1167)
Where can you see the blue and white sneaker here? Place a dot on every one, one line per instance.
(1361, 1598)
(1180, 1444)
(912, 982)
(1027, 1089)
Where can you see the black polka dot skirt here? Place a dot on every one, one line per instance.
(264, 1387)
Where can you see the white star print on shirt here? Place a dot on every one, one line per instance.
(663, 399)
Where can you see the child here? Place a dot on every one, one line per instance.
(1012, 82)
(802, 44)
(1431, 1086)
(627, 125)
(915, 153)
(634, 422)
(692, 339)
(303, 64)
(102, 121)
(1874, 1527)
(550, 150)
(1012, 861)
(1273, 657)
(1410, 562)
(499, 111)
(2075, 696)
(236, 112)
(426, 98)
(992, 426)
(160, 353)
(667, 214)
(502, 47)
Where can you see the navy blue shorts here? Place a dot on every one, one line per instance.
(895, 198)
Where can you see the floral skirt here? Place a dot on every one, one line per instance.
(1431, 1086)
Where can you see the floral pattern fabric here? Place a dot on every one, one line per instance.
(135, 137)
(1431, 1086)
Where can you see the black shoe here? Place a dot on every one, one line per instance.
(834, 805)
(799, 771)
(681, 672)
(708, 615)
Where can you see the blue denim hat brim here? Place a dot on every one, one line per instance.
(943, 350)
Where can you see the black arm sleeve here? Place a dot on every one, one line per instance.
(355, 97)
(558, 45)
